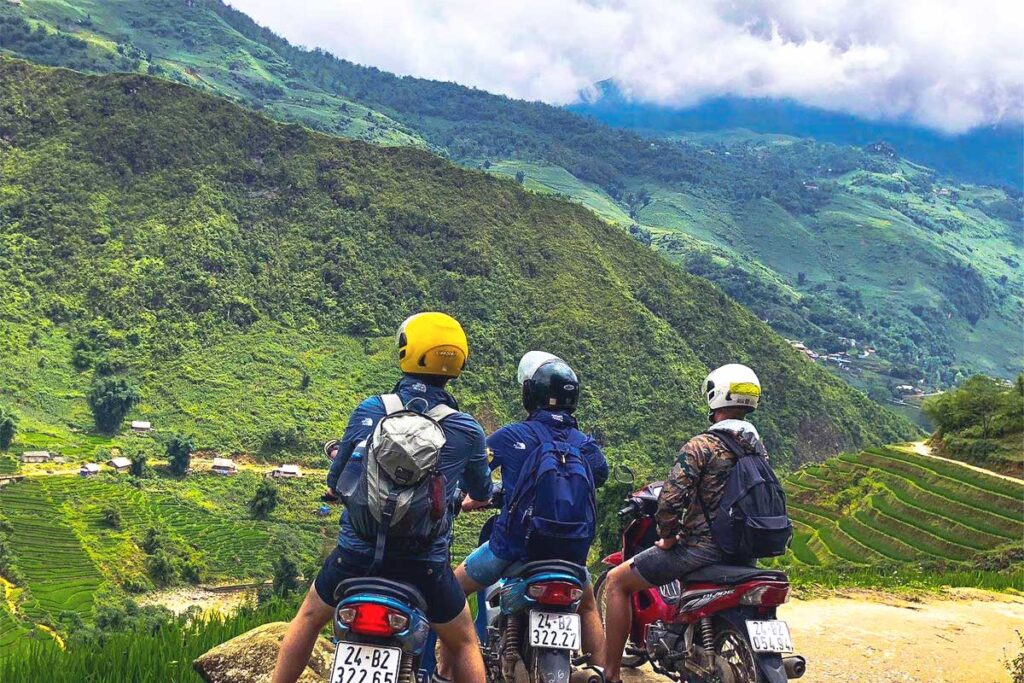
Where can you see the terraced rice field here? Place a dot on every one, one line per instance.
(67, 552)
(889, 506)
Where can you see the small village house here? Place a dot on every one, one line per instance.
(141, 426)
(286, 472)
(89, 469)
(224, 466)
(120, 464)
(36, 456)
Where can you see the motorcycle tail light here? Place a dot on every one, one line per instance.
(372, 619)
(766, 595)
(555, 592)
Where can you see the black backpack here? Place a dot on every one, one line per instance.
(752, 521)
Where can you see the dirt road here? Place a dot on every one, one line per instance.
(960, 637)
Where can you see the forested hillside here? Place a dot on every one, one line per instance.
(248, 276)
(831, 245)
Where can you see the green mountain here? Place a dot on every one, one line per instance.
(248, 275)
(827, 243)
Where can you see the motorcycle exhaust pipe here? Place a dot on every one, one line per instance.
(796, 666)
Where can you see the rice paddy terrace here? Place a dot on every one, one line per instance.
(69, 557)
(889, 507)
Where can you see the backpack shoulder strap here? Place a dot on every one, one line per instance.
(441, 411)
(392, 403)
(730, 442)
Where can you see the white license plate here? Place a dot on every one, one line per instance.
(356, 663)
(555, 630)
(769, 636)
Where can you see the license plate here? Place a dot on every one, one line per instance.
(769, 636)
(356, 663)
(555, 630)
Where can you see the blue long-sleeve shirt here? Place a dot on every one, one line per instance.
(463, 460)
(512, 444)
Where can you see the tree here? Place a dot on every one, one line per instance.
(264, 500)
(160, 566)
(140, 467)
(110, 399)
(112, 517)
(286, 575)
(179, 453)
(520, 177)
(8, 428)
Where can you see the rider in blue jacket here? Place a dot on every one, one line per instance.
(550, 395)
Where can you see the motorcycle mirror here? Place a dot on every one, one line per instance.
(623, 474)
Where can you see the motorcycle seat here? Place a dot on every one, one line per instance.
(731, 574)
(553, 566)
(374, 585)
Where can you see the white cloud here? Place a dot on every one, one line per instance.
(947, 64)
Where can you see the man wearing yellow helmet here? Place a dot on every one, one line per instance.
(432, 350)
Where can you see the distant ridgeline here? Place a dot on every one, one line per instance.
(837, 247)
(248, 276)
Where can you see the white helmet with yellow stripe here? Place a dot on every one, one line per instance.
(732, 386)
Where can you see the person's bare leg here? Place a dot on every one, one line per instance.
(458, 637)
(444, 655)
(623, 581)
(590, 623)
(301, 637)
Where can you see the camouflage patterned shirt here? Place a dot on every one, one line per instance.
(702, 468)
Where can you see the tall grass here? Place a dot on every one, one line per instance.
(163, 655)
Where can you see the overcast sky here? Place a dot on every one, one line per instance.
(947, 64)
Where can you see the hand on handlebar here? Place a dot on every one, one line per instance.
(468, 504)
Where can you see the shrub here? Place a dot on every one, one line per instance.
(160, 567)
(112, 518)
(139, 467)
(286, 576)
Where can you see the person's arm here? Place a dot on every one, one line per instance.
(355, 431)
(678, 491)
(476, 475)
(598, 463)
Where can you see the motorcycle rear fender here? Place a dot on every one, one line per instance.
(769, 663)
(552, 666)
(613, 560)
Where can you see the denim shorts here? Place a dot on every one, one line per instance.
(486, 568)
(658, 567)
(435, 580)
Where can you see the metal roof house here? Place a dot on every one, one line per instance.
(286, 472)
(141, 426)
(120, 464)
(36, 456)
(89, 469)
(224, 466)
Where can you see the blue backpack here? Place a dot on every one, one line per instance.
(752, 521)
(552, 513)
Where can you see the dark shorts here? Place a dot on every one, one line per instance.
(436, 580)
(658, 567)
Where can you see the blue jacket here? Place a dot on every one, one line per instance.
(463, 461)
(513, 443)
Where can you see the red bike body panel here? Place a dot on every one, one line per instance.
(613, 560)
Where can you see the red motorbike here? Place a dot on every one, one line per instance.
(716, 626)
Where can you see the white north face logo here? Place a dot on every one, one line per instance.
(519, 445)
(367, 421)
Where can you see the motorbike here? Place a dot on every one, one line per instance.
(528, 624)
(718, 625)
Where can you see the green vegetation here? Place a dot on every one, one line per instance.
(827, 243)
(981, 421)
(886, 517)
(8, 427)
(218, 258)
(138, 644)
(179, 454)
(264, 500)
(111, 399)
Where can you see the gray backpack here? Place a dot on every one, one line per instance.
(400, 494)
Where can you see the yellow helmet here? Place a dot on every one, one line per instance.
(432, 344)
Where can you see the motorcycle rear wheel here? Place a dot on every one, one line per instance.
(630, 661)
(735, 652)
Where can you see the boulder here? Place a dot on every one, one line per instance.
(250, 658)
